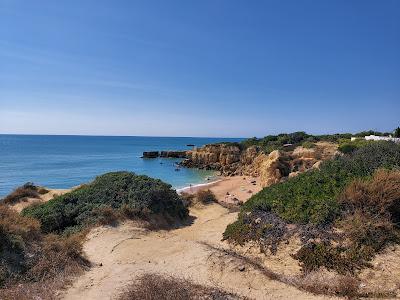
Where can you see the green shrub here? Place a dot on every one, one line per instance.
(396, 132)
(138, 193)
(308, 145)
(275, 142)
(315, 255)
(346, 193)
(347, 146)
(238, 232)
(311, 196)
(370, 132)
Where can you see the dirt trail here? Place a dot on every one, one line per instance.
(124, 252)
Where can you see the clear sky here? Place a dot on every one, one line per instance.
(199, 68)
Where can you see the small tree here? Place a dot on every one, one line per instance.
(397, 132)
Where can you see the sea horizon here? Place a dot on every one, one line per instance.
(108, 135)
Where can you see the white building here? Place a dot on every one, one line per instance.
(378, 138)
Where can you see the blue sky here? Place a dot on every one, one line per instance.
(199, 68)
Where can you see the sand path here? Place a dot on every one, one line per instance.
(121, 253)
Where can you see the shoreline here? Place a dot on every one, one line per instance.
(192, 188)
(229, 189)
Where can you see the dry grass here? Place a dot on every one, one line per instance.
(329, 283)
(156, 287)
(201, 197)
(378, 196)
(28, 190)
(108, 216)
(34, 265)
(206, 196)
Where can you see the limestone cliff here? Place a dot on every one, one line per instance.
(221, 157)
(274, 167)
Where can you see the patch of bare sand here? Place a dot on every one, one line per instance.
(384, 273)
(227, 189)
(124, 252)
(19, 206)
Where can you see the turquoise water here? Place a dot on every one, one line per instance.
(66, 161)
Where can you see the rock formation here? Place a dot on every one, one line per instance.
(165, 154)
(231, 159)
(274, 167)
(221, 157)
(173, 154)
(150, 154)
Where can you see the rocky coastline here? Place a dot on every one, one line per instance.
(232, 160)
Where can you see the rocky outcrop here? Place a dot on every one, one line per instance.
(275, 167)
(150, 154)
(165, 154)
(230, 160)
(173, 154)
(271, 168)
(221, 157)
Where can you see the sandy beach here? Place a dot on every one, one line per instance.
(230, 190)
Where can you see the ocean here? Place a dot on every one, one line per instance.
(57, 161)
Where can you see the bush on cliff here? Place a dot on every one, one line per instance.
(318, 201)
(119, 192)
(347, 146)
(276, 142)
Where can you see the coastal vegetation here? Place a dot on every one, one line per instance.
(28, 190)
(107, 198)
(281, 141)
(270, 143)
(343, 213)
(202, 197)
(41, 248)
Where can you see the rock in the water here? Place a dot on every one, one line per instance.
(173, 154)
(151, 154)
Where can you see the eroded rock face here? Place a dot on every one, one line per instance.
(221, 157)
(271, 168)
(275, 167)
